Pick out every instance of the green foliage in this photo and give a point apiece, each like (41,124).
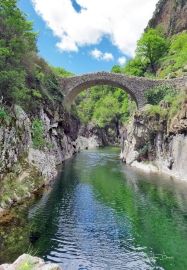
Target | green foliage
(38,134)
(36,94)
(61,72)
(17,41)
(4,116)
(136,67)
(156,55)
(175,103)
(25,78)
(107,110)
(103,105)
(156,110)
(176,59)
(116,69)
(3,113)
(158,93)
(27,265)
(151,47)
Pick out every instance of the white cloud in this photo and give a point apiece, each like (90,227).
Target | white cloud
(108,57)
(122,60)
(96,54)
(99,55)
(122,21)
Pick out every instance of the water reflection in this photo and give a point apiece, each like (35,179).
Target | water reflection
(101,214)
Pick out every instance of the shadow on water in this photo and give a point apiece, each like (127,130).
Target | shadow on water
(101,214)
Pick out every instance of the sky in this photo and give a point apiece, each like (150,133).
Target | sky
(88,35)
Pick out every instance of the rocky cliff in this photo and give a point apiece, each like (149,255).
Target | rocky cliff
(32,145)
(171,15)
(156,138)
(157,144)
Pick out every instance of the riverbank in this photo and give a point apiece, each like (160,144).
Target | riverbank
(155,143)
(32,147)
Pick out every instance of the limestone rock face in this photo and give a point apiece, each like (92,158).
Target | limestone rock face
(44,162)
(179,122)
(171,15)
(153,144)
(86,143)
(15,139)
(28,262)
(23,122)
(31,166)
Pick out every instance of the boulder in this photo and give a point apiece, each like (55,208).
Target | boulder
(26,261)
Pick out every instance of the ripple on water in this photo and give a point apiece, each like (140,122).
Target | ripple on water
(103,215)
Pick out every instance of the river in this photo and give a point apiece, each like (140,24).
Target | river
(101,214)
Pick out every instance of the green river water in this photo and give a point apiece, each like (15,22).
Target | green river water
(101,214)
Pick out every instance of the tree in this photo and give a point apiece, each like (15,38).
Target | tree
(116,69)
(136,67)
(106,111)
(151,47)
(104,105)
(17,43)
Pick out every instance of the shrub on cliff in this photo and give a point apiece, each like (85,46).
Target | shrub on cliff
(169,106)
(38,134)
(155,95)
(175,62)
(4,116)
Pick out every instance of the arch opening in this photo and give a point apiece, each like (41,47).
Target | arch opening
(77,89)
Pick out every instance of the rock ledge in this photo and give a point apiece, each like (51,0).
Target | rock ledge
(31,263)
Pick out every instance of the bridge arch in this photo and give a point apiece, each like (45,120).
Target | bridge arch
(134,86)
(88,84)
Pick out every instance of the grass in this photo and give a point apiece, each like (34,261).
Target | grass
(38,134)
(156,110)
(4,116)
(176,103)
(26,266)
(13,187)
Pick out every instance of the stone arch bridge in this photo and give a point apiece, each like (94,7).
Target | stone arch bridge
(134,86)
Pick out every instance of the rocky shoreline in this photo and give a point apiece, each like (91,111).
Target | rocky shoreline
(154,144)
(27,261)
(33,146)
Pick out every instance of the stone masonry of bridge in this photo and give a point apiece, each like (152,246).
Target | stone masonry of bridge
(134,86)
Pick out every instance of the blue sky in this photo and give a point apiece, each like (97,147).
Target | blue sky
(75,35)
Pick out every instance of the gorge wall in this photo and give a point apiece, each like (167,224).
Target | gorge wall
(33,145)
(156,138)
(171,16)
(157,144)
